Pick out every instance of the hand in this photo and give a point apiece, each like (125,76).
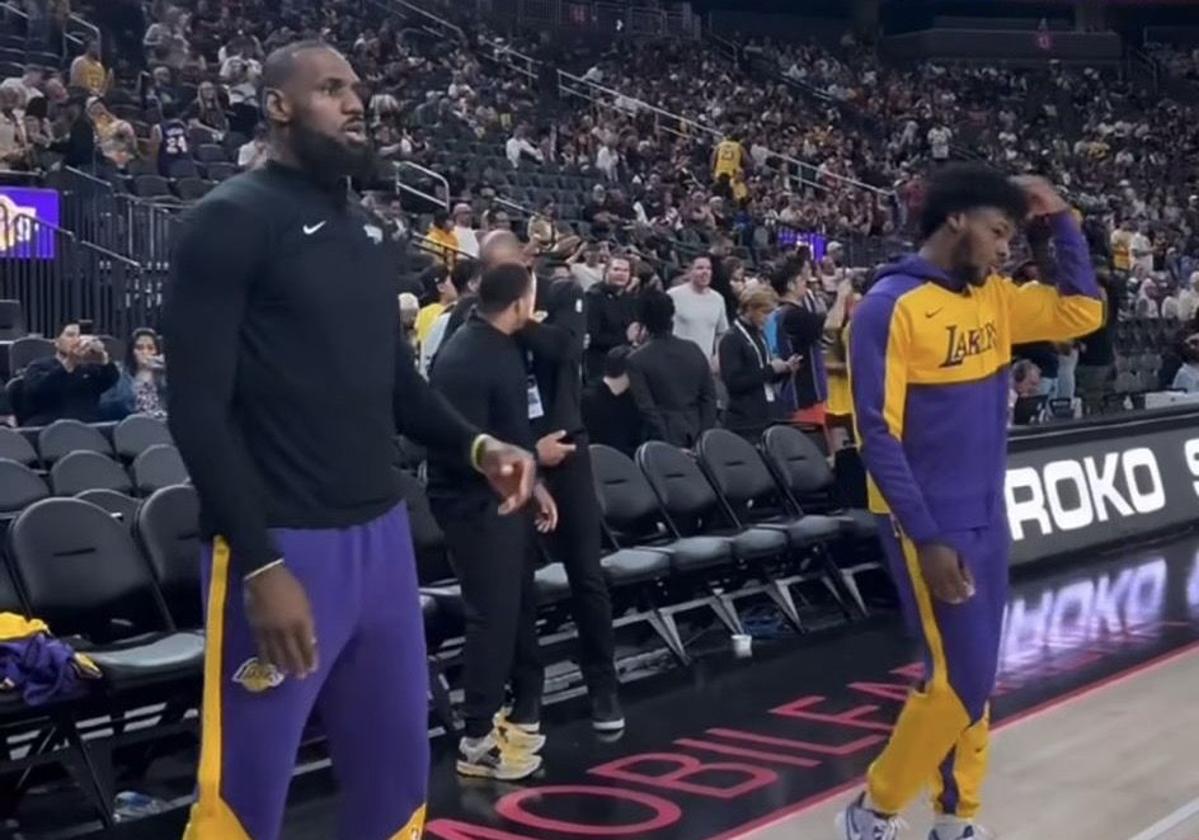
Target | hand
(633,333)
(794,362)
(551,451)
(1043,199)
(510,470)
(546,518)
(945,573)
(280,617)
(779,365)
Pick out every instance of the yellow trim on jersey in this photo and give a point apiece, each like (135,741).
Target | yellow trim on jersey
(211,817)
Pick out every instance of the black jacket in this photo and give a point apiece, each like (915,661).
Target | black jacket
(609,313)
(610,419)
(747,374)
(54,393)
(672,384)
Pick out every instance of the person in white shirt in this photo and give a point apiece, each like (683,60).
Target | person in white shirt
(607,159)
(699,312)
(253,154)
(938,139)
(1187,377)
(518,147)
(1142,247)
(1188,299)
(464,229)
(1146,303)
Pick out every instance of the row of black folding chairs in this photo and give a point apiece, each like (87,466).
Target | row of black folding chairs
(131,602)
(125,440)
(93,477)
(731,520)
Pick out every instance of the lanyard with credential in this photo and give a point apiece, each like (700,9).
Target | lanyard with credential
(761,359)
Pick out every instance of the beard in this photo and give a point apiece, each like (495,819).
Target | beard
(965,272)
(330,159)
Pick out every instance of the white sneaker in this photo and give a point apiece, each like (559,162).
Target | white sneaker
(857,822)
(962,831)
(521,737)
(490,758)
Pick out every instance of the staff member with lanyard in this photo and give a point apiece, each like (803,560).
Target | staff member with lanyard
(748,372)
(554,351)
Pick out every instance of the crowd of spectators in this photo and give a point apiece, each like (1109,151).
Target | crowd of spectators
(779,140)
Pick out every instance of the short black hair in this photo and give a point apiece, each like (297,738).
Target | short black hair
(502,286)
(465,270)
(961,187)
(281,63)
(616,363)
(656,312)
(784,273)
(440,217)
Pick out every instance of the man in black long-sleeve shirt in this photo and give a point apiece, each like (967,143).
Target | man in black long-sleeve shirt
(68,384)
(481,371)
(284,408)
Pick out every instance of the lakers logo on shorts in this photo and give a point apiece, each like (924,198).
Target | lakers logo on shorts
(257,677)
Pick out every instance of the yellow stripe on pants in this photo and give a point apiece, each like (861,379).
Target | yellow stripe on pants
(932,720)
(211,817)
(415,828)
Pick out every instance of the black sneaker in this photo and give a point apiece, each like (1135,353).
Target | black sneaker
(606,715)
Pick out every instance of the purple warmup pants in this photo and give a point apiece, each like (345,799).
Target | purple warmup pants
(370,689)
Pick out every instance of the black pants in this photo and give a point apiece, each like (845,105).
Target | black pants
(576,544)
(492,556)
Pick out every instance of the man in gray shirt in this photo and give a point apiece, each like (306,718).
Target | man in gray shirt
(699,312)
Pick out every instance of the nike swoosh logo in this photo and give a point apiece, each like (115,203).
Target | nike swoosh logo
(933,313)
(311,229)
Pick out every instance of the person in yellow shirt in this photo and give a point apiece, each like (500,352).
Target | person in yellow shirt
(447,295)
(728,158)
(1122,246)
(441,235)
(88,72)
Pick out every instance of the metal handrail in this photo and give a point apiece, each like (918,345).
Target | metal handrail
(622,97)
(437,249)
(526,65)
(433,22)
(424,170)
(91,246)
(84,24)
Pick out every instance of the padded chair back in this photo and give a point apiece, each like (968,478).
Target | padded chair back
(137,433)
(82,573)
(62,437)
(735,467)
(677,481)
(159,466)
(113,502)
(14,390)
(797,461)
(16,447)
(168,526)
(626,499)
(29,349)
(10,597)
(19,487)
(432,563)
(12,320)
(79,471)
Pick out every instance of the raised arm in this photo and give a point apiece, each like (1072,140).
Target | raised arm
(1070,308)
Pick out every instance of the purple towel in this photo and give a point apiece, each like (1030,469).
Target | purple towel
(41,667)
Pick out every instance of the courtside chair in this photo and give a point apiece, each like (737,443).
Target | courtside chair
(62,437)
(168,530)
(804,473)
(83,470)
(746,485)
(157,467)
(16,447)
(19,488)
(137,433)
(631,517)
(694,507)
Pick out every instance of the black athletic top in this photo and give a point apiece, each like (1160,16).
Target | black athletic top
(289,374)
(483,373)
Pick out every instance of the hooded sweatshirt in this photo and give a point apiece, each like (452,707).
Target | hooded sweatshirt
(929,361)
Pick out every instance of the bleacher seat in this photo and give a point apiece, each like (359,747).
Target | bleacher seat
(168,528)
(184,168)
(62,437)
(118,504)
(137,433)
(157,467)
(211,153)
(151,186)
(82,574)
(79,471)
(19,487)
(14,446)
(192,189)
(28,349)
(12,320)
(218,172)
